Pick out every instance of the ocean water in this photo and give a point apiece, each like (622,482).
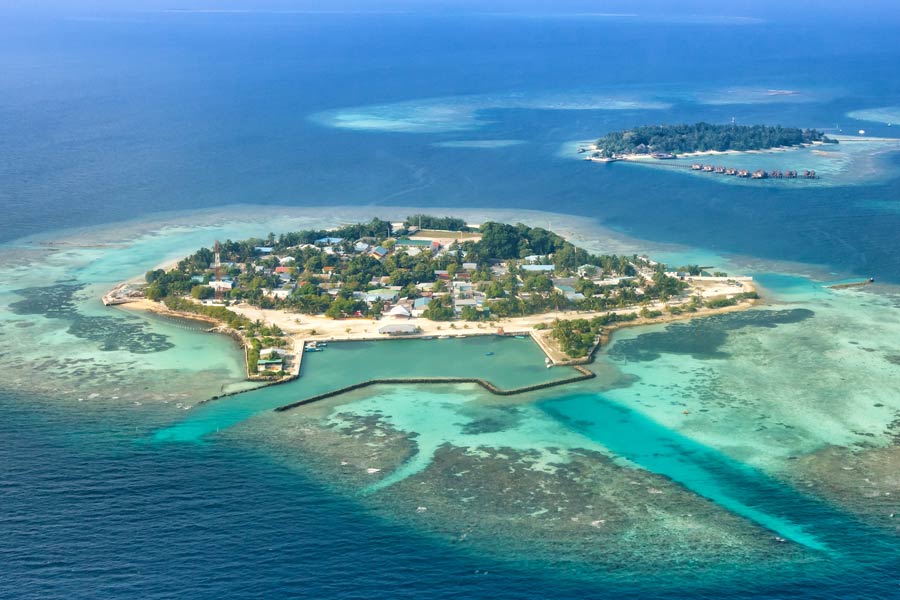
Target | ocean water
(130,136)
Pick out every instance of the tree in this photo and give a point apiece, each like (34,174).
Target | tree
(154,291)
(202,292)
(439,309)
(470,313)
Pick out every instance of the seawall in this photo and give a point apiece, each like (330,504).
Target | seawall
(583,374)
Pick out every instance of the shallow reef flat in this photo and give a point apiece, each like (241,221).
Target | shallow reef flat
(864,481)
(773,383)
(508,478)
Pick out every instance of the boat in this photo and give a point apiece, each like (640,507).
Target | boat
(313,349)
(521,337)
(460,336)
(428,337)
(443,337)
(488,353)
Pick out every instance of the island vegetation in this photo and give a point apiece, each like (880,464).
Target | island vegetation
(703,137)
(366,269)
(411,273)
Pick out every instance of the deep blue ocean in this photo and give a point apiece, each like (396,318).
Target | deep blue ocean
(110,113)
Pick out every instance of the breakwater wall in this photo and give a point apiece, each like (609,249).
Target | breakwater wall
(582,375)
(852,284)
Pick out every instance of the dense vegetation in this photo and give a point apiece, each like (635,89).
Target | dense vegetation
(518,292)
(431,222)
(734,300)
(576,337)
(699,137)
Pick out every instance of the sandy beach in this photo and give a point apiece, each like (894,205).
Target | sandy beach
(303,328)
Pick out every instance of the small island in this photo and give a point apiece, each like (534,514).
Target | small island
(669,141)
(431,277)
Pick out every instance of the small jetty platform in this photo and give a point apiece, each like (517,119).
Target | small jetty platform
(122,294)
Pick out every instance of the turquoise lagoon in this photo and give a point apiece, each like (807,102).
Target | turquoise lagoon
(717,408)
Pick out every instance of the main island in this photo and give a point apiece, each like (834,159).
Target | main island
(426,277)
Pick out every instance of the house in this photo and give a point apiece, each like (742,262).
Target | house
(399,311)
(461,303)
(264,249)
(278,294)
(463,290)
(329,240)
(224,285)
(378,252)
(419,306)
(398,329)
(269,364)
(470,266)
(538,268)
(282,269)
(588,271)
(382,295)
(361,247)
(269,351)
(287,260)
(569,292)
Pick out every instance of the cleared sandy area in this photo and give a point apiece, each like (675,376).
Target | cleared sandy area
(302,327)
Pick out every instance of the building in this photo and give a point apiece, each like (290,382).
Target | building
(224,285)
(588,271)
(400,311)
(269,364)
(419,306)
(382,295)
(329,240)
(278,294)
(538,268)
(398,329)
